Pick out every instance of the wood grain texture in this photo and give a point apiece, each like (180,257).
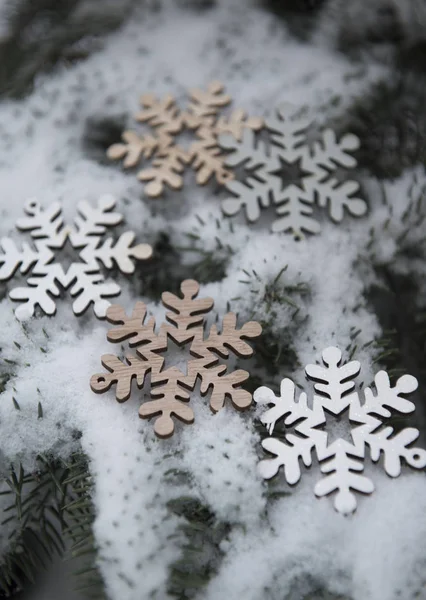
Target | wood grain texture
(170,387)
(201,120)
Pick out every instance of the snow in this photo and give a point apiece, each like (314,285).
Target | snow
(298,543)
(361,557)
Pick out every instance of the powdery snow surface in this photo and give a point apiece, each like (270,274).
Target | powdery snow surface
(277,550)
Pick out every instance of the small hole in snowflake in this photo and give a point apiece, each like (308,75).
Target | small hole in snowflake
(226,176)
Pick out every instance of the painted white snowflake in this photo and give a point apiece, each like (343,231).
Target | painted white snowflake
(335,392)
(50,235)
(271,181)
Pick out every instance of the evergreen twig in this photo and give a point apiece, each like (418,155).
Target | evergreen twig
(34,520)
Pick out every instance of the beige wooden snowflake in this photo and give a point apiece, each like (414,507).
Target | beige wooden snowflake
(169,158)
(169,386)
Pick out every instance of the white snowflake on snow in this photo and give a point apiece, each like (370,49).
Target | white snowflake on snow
(268,169)
(50,235)
(335,392)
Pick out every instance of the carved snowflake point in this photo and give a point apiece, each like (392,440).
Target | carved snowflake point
(83,276)
(341,461)
(170,387)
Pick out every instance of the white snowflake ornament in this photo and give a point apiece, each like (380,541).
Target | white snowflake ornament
(341,460)
(50,235)
(270,182)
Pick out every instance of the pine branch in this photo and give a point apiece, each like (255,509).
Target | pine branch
(46,506)
(274,349)
(201,553)
(35,520)
(79,512)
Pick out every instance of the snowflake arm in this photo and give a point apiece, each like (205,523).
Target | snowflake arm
(163,114)
(287,454)
(390,396)
(43,223)
(343,478)
(133,148)
(329,152)
(236,123)
(295,209)
(334,381)
(206,155)
(326,155)
(39,292)
(168,395)
(132,328)
(225,386)
(121,374)
(90,288)
(166,170)
(169,160)
(204,105)
(93,221)
(334,196)
(245,151)
(207,159)
(13,258)
(285,404)
(169,400)
(249,197)
(255,192)
(394,447)
(187,312)
(121,252)
(288,133)
(231,338)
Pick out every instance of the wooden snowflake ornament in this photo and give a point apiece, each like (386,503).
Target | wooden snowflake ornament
(169,158)
(291,174)
(86,238)
(169,386)
(341,460)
